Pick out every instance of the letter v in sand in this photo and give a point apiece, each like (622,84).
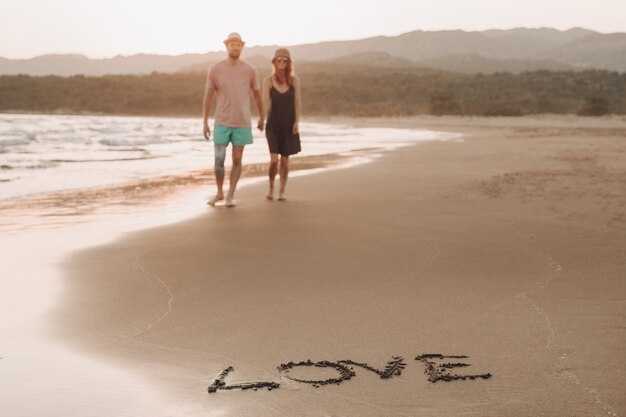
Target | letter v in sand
(393,368)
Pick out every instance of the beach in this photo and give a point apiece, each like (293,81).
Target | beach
(503,249)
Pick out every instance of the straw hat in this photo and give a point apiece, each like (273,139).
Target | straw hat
(233,37)
(281,52)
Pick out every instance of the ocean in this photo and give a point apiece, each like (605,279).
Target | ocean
(49,153)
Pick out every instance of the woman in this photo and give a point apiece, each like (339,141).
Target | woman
(281,92)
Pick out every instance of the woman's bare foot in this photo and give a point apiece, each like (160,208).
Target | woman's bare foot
(270,194)
(230,202)
(218,197)
(282,197)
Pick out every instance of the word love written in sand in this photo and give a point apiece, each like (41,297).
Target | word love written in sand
(437,368)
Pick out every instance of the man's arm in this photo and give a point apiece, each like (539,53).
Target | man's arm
(259,107)
(209,92)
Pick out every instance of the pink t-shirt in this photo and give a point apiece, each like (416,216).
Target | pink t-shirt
(232,84)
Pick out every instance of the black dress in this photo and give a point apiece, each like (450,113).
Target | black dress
(279,129)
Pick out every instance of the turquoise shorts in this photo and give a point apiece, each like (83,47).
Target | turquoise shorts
(239,136)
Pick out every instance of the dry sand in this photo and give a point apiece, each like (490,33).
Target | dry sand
(508,247)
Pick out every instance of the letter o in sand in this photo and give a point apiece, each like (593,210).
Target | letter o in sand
(345,373)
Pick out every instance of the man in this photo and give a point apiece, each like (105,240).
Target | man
(231,80)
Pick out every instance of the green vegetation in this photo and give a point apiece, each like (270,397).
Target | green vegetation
(334,89)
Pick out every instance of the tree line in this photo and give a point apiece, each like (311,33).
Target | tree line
(333,89)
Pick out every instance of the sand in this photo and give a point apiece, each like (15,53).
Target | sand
(508,247)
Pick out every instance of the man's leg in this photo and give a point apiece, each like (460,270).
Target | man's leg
(272,174)
(235,173)
(220,156)
(284,173)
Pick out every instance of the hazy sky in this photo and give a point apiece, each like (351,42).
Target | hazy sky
(107,28)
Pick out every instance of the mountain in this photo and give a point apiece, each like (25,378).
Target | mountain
(512,50)
(258,61)
(524,43)
(376,59)
(474,64)
(594,51)
(79,64)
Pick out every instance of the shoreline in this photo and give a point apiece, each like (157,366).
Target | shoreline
(141,193)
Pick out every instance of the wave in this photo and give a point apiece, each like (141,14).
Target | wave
(16,141)
(130,149)
(30,165)
(134,142)
(138,158)
(14,132)
(313,134)
(109,130)
(43,165)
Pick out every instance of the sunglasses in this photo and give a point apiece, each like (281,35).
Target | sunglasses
(282,60)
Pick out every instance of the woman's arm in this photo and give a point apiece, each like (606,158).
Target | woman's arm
(298,104)
(267,101)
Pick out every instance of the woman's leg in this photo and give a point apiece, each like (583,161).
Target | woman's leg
(272,174)
(284,174)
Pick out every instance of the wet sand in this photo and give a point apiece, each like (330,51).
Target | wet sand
(508,247)
(72,206)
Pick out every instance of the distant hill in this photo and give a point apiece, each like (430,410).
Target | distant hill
(376,59)
(513,50)
(258,61)
(594,51)
(523,43)
(473,64)
(66,65)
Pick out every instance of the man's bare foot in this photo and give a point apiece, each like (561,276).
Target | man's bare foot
(230,202)
(218,197)
(281,197)
(270,194)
